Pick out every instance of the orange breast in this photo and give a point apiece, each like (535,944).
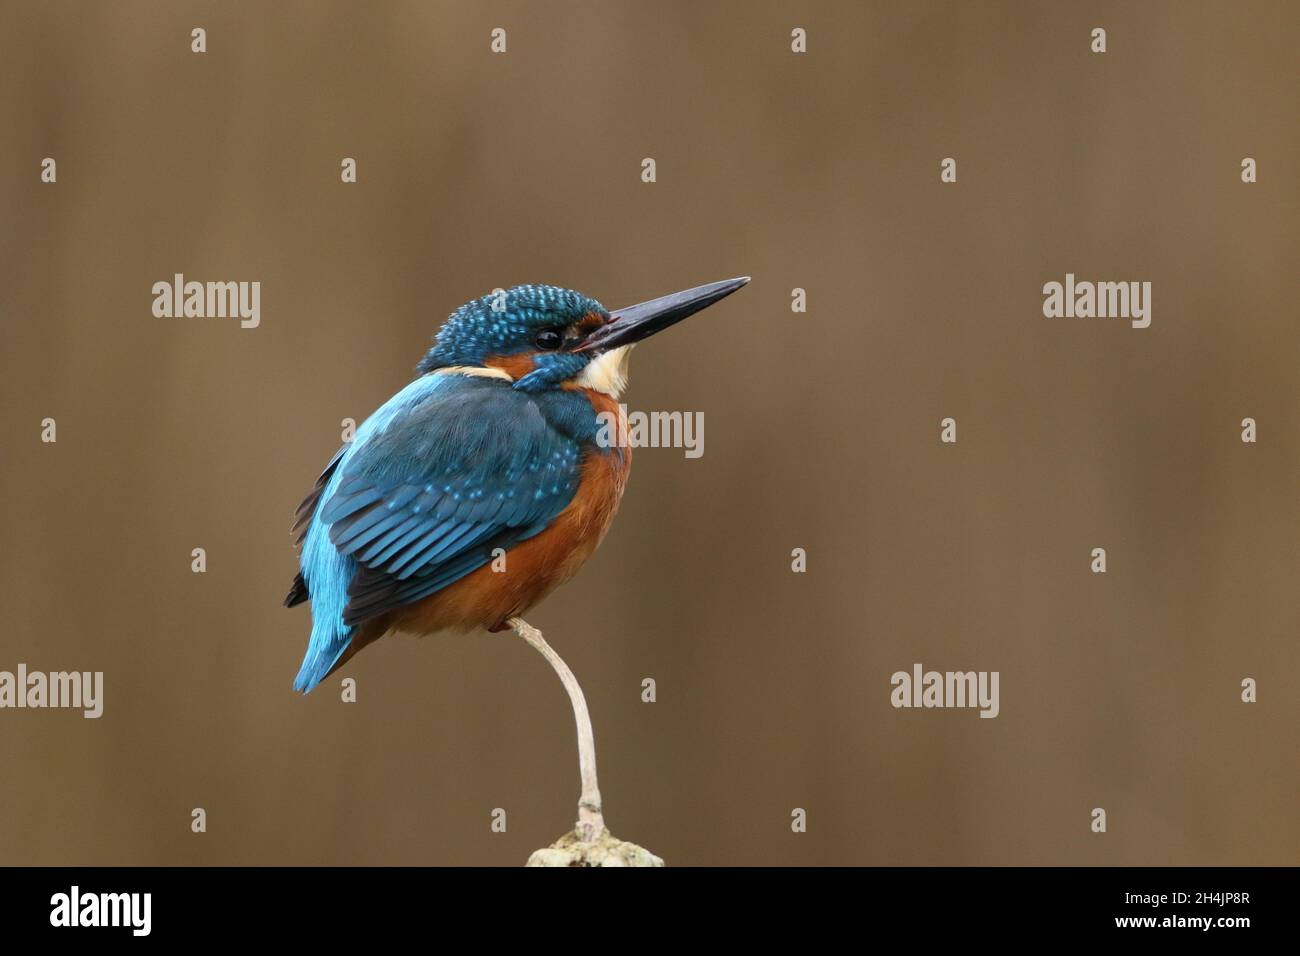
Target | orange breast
(533,568)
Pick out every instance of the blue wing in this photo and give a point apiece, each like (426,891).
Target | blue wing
(446,471)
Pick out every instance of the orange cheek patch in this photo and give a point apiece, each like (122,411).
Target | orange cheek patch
(516,366)
(590,322)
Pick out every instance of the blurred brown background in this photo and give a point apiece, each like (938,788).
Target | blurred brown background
(818,171)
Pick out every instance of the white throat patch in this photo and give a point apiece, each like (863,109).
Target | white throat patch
(608,373)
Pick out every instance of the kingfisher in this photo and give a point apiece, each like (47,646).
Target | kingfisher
(486,482)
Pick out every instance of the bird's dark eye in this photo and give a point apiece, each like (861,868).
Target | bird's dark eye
(548,340)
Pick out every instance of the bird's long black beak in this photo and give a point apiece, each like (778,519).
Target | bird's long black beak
(637,322)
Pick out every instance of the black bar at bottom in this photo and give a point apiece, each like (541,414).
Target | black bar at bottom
(212,905)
